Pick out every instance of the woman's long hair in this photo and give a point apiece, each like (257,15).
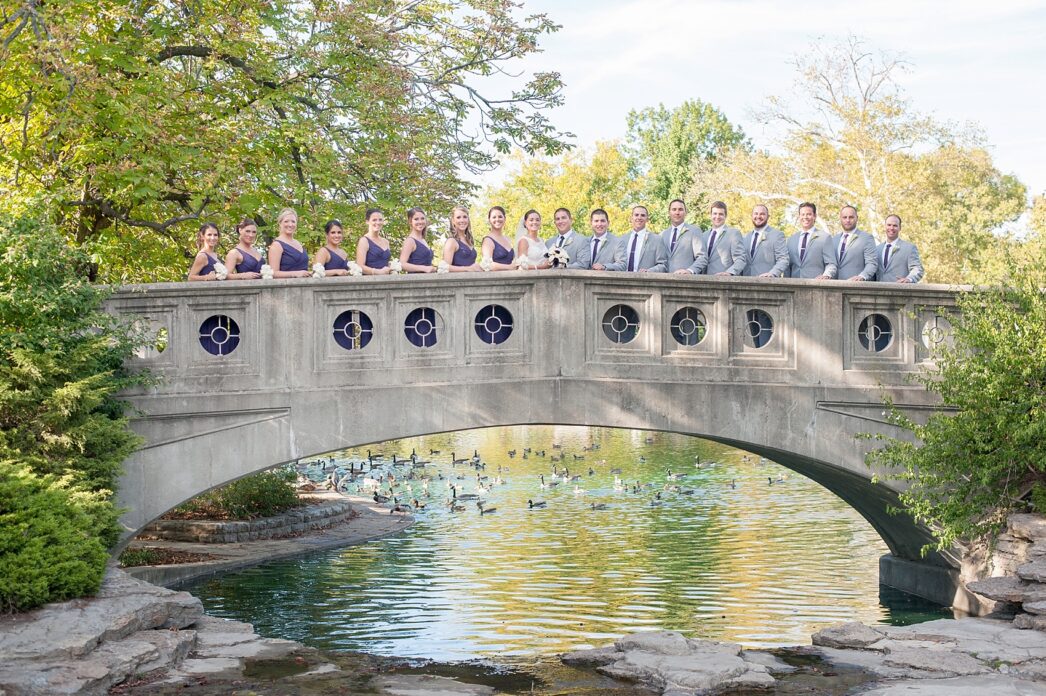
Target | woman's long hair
(468,230)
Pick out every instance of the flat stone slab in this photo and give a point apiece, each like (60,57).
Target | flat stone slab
(427,685)
(848,635)
(1035,571)
(987,685)
(1008,589)
(1027,526)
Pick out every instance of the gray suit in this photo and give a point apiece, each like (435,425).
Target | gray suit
(771,253)
(727,254)
(904,262)
(651,258)
(859,257)
(820,255)
(607,249)
(689,252)
(577,248)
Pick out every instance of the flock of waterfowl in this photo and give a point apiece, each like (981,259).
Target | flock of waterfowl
(410,484)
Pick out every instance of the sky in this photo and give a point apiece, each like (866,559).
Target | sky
(970,61)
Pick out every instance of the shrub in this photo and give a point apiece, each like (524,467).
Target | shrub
(51,538)
(259,495)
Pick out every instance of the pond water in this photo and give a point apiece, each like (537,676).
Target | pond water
(715,543)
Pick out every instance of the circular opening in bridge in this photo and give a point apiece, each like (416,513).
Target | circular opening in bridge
(759,328)
(688,326)
(219,335)
(353,329)
(935,331)
(422,327)
(494,324)
(875,333)
(621,323)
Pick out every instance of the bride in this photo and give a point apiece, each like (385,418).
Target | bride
(529,245)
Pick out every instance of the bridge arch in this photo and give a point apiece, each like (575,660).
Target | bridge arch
(289,385)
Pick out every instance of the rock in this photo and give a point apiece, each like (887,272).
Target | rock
(1027,526)
(1030,621)
(987,685)
(1034,571)
(427,685)
(942,661)
(773,663)
(1008,589)
(848,635)
(1034,607)
(660,642)
(596,657)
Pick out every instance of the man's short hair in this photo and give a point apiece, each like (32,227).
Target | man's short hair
(719,204)
(811,206)
(763,206)
(599,211)
(563,210)
(640,206)
(677,200)
(894,215)
(851,207)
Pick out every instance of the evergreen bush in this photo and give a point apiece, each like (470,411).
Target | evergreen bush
(259,495)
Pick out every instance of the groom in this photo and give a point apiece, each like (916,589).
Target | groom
(576,245)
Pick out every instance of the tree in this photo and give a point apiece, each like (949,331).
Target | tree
(136,120)
(63,436)
(850,137)
(967,470)
(579,181)
(667,145)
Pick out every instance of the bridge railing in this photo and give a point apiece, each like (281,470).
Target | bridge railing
(351,332)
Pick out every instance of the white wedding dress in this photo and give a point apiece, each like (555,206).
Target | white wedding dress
(535,251)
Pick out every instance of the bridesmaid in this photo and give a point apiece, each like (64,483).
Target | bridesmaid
(459,252)
(243,262)
(496,246)
(372,251)
(416,256)
(529,244)
(207,242)
(287,256)
(334,259)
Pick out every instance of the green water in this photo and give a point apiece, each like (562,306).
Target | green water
(729,555)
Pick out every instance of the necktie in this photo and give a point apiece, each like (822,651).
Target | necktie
(886,255)
(632,252)
(802,247)
(595,248)
(842,247)
(755,240)
(711,242)
(672,246)
(562,238)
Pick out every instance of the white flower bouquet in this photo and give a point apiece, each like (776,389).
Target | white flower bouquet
(220,271)
(486,264)
(396,266)
(354,269)
(318,271)
(523,263)
(557,257)
(266,272)
(443,267)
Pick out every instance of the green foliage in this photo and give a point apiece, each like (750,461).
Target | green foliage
(132,558)
(63,435)
(666,144)
(139,119)
(1038,498)
(51,538)
(968,469)
(260,495)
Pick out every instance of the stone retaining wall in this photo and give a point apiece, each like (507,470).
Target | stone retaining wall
(292,522)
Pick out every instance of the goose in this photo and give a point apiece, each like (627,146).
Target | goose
(615,470)
(577,456)
(512,453)
(455,508)
(418,505)
(578,491)
(649,440)
(686,491)
(432,452)
(591,471)
(599,506)
(454,461)
(380,498)
(674,477)
(400,507)
(733,483)
(672,488)
(655,503)
(642,460)
(527,450)
(483,510)
(618,485)
(538,504)
(556,446)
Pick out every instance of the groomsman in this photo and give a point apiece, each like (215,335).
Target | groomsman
(576,245)
(641,250)
(897,260)
(604,244)
(854,249)
(725,249)
(765,247)
(682,242)
(810,251)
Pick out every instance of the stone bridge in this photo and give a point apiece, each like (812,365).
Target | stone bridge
(255,374)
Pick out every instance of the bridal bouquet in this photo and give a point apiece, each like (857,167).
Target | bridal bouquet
(354,269)
(557,257)
(396,266)
(220,271)
(266,272)
(318,271)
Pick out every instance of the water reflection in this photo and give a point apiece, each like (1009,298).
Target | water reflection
(734,550)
